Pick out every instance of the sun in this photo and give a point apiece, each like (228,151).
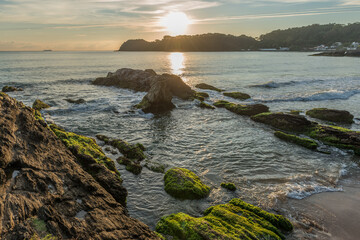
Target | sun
(175,23)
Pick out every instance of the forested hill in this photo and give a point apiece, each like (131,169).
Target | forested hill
(300,38)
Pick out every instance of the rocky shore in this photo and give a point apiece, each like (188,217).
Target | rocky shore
(339,54)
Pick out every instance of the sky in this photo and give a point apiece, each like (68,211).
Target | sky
(30,25)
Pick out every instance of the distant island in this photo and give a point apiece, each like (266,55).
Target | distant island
(307,38)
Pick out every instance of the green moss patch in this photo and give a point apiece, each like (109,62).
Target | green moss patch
(331,115)
(130,164)
(41,230)
(207,86)
(242,109)
(228,185)
(235,220)
(304,142)
(205,105)
(39,105)
(237,95)
(200,95)
(184,184)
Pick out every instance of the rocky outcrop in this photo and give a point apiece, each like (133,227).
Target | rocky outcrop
(45,190)
(205,105)
(237,95)
(75,101)
(142,81)
(304,142)
(208,87)
(332,115)
(184,184)
(11,89)
(234,220)
(242,109)
(39,105)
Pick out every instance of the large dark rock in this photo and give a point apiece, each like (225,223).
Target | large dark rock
(139,80)
(208,87)
(11,89)
(287,122)
(333,115)
(242,109)
(47,192)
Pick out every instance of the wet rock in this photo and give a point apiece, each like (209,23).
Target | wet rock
(39,105)
(332,115)
(205,105)
(286,122)
(305,142)
(184,184)
(228,185)
(42,199)
(75,101)
(200,95)
(237,95)
(242,109)
(11,89)
(155,167)
(234,220)
(131,165)
(207,86)
(158,99)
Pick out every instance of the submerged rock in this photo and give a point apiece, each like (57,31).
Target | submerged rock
(51,188)
(242,109)
(339,116)
(205,105)
(207,86)
(131,165)
(234,220)
(305,142)
(237,95)
(200,95)
(283,121)
(78,101)
(11,89)
(39,105)
(184,184)
(228,185)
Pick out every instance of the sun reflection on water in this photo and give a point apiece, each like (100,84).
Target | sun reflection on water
(177,62)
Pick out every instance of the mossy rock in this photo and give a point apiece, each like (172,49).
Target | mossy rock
(237,95)
(228,185)
(234,220)
(81,145)
(295,112)
(332,115)
(208,87)
(184,184)
(283,121)
(11,89)
(205,105)
(304,142)
(155,167)
(41,230)
(130,165)
(200,95)
(242,109)
(39,105)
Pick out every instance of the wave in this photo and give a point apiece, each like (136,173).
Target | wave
(319,96)
(272,84)
(306,189)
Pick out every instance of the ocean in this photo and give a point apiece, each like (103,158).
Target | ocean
(215,144)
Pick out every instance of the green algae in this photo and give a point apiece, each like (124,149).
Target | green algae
(237,95)
(234,220)
(39,105)
(184,184)
(81,145)
(208,87)
(304,142)
(38,115)
(228,185)
(331,115)
(131,165)
(242,109)
(200,95)
(155,167)
(205,105)
(295,112)
(42,232)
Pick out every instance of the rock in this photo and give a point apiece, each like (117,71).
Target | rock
(200,95)
(207,86)
(332,115)
(184,184)
(295,112)
(305,142)
(155,167)
(205,105)
(234,220)
(158,99)
(11,89)
(139,80)
(242,109)
(237,95)
(130,165)
(39,105)
(48,192)
(78,101)
(228,185)
(286,122)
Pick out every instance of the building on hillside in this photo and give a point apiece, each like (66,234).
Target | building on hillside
(353,46)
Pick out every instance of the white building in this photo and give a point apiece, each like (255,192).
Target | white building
(353,46)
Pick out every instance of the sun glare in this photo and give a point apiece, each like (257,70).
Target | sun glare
(175,23)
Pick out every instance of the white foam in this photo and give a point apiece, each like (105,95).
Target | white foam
(15,173)
(81,214)
(303,190)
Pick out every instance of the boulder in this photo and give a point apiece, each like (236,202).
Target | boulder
(39,105)
(242,109)
(234,220)
(11,89)
(207,86)
(332,115)
(283,121)
(184,184)
(228,185)
(237,95)
(76,101)
(49,192)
